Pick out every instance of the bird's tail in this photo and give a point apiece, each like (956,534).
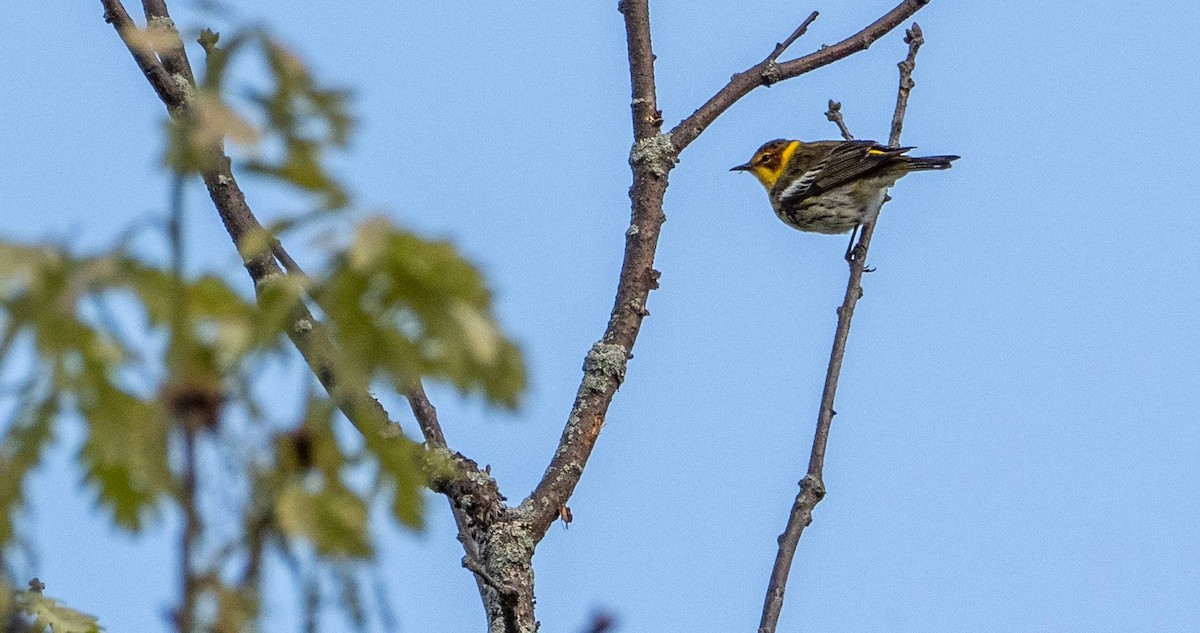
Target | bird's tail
(918,163)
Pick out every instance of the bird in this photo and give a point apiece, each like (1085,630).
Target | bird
(829,186)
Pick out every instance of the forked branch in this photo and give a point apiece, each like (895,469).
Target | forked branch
(768,71)
(163,60)
(812,486)
(652,158)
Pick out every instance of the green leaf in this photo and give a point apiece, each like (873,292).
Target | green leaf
(236,610)
(400,472)
(333,518)
(47,612)
(21,452)
(404,307)
(125,454)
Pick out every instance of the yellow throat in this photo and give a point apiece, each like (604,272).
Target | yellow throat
(767,175)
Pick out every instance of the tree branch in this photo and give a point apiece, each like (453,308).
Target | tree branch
(800,30)
(169,46)
(768,72)
(812,487)
(168,91)
(651,159)
(834,114)
(306,333)
(647,120)
(914,38)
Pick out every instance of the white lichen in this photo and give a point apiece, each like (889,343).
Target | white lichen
(655,153)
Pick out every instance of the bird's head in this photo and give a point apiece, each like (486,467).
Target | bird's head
(769,161)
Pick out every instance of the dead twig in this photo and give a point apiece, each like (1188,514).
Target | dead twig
(834,114)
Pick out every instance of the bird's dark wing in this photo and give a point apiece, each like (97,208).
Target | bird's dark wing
(844,163)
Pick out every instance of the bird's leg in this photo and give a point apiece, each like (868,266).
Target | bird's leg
(854,251)
(850,247)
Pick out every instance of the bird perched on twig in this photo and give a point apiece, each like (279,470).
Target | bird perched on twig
(829,186)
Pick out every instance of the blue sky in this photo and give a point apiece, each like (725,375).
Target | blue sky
(1017,440)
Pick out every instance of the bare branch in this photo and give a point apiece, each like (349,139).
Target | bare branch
(914,38)
(800,30)
(173,56)
(834,113)
(652,158)
(812,487)
(647,119)
(768,72)
(168,91)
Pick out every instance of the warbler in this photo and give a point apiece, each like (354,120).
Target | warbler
(829,186)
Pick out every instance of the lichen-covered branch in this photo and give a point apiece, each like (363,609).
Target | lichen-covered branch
(651,159)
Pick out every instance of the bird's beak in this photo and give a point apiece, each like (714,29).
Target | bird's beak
(743,167)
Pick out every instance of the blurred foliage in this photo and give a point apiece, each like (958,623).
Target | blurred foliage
(153,363)
(404,307)
(301,120)
(36,612)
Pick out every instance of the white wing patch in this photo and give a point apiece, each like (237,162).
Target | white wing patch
(801,184)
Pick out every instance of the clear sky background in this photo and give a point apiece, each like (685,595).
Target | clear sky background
(1018,439)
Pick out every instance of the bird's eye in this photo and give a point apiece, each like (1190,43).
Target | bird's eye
(766,158)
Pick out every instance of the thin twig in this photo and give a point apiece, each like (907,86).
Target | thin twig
(477,568)
(914,38)
(168,91)
(173,55)
(189,425)
(744,82)
(507,594)
(834,113)
(800,30)
(812,487)
(185,617)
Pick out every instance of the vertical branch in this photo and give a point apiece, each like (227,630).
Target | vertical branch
(812,486)
(651,160)
(914,38)
(182,388)
(185,617)
(647,120)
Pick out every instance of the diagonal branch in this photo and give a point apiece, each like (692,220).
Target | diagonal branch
(768,72)
(472,493)
(834,114)
(812,487)
(169,46)
(168,91)
(785,44)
